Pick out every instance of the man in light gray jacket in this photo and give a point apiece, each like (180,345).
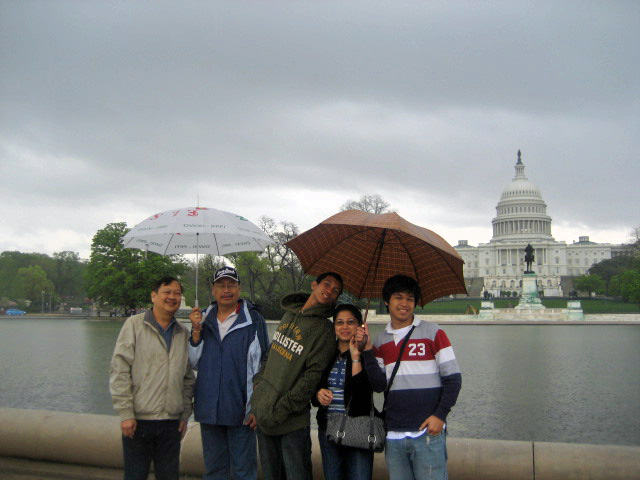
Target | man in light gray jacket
(151,385)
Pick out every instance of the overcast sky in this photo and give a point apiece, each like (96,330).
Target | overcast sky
(113,110)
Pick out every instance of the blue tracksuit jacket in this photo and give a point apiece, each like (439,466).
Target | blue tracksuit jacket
(226,368)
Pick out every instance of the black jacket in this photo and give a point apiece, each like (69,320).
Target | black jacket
(357,389)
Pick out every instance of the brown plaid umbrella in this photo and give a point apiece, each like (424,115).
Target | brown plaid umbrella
(367,249)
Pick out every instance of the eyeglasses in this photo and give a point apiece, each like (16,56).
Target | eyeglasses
(177,293)
(351,322)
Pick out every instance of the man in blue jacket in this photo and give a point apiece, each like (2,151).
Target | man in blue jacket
(227,349)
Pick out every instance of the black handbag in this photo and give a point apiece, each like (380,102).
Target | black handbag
(366,432)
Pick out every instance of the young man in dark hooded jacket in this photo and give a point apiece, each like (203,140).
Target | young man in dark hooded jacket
(301,348)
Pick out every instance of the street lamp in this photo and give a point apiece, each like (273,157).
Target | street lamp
(42,303)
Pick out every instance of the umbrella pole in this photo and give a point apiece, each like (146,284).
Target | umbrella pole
(378,250)
(366,312)
(197,266)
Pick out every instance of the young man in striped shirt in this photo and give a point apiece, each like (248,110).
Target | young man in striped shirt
(424,389)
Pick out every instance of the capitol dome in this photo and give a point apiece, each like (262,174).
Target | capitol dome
(520,187)
(521,211)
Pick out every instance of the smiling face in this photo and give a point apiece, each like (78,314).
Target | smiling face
(401,306)
(326,292)
(226,292)
(167,299)
(345,325)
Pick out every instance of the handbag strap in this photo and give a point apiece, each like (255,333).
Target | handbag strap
(397,365)
(371,410)
(372,430)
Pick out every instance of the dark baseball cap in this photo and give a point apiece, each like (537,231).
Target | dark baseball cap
(226,272)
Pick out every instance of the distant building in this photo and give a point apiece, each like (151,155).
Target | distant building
(521,218)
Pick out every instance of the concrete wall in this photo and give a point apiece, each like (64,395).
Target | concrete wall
(95,441)
(507,316)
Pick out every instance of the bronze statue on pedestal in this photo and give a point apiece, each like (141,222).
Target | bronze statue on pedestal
(529,257)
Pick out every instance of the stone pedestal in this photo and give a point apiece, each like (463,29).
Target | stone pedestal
(574,310)
(529,299)
(183,305)
(486,310)
(184,309)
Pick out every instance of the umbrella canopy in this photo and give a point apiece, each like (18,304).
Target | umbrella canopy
(367,249)
(196,230)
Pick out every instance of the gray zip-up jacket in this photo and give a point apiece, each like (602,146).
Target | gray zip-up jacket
(147,382)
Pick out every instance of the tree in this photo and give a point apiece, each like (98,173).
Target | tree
(368,203)
(289,263)
(64,269)
(635,241)
(123,277)
(11,262)
(607,269)
(590,283)
(629,284)
(68,276)
(34,283)
(253,270)
(274,272)
(207,266)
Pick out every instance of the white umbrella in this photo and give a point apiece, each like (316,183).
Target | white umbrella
(196,230)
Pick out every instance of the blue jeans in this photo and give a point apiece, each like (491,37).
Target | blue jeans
(228,449)
(157,441)
(421,458)
(286,457)
(344,463)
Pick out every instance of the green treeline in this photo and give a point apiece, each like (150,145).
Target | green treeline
(121,278)
(118,278)
(115,277)
(34,281)
(616,277)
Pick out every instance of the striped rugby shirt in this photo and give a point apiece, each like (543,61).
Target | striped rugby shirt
(428,380)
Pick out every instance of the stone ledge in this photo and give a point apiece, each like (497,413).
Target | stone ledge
(37,444)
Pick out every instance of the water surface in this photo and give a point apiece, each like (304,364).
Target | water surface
(560,383)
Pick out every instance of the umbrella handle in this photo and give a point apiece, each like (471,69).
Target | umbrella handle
(366,312)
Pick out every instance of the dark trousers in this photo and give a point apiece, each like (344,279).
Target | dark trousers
(286,457)
(157,441)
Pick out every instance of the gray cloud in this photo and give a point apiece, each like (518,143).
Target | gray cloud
(113,110)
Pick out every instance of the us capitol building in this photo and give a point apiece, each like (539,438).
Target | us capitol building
(521,218)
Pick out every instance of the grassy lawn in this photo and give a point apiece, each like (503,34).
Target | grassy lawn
(589,305)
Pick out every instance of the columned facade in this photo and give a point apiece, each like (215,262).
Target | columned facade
(521,218)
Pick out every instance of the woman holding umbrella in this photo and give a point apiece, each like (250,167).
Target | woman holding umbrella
(344,383)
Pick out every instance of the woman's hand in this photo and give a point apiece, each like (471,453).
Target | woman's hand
(363,338)
(324,397)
